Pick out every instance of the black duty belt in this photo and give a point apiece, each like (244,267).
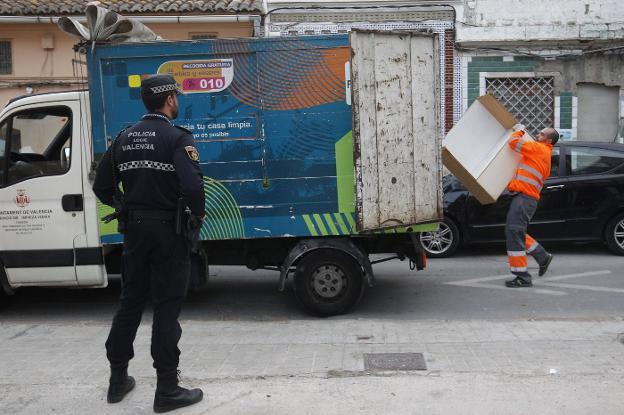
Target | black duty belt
(151,215)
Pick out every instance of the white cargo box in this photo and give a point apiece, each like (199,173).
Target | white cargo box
(476,150)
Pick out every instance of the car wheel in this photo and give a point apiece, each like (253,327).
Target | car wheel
(614,234)
(328,282)
(443,242)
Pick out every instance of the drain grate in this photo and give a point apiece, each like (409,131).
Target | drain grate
(394,361)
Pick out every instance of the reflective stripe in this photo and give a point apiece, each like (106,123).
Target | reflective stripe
(518,269)
(516,253)
(530,181)
(145,164)
(532,171)
(518,261)
(522,140)
(533,247)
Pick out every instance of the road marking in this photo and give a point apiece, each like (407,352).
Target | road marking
(586,287)
(581,274)
(547,281)
(476,283)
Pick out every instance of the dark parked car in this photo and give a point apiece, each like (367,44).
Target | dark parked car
(583,200)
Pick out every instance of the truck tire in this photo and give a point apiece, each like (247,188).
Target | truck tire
(614,234)
(328,282)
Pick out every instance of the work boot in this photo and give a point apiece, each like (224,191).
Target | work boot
(170,396)
(519,282)
(119,384)
(544,267)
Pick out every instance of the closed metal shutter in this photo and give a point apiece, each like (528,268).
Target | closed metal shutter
(598,112)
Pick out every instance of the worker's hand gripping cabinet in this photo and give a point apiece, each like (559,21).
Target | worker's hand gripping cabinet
(476,149)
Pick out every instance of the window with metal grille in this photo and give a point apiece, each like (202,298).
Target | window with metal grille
(200,36)
(6,60)
(530,100)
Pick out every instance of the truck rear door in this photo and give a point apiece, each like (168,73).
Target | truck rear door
(395,84)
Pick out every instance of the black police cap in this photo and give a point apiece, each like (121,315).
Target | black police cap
(159,84)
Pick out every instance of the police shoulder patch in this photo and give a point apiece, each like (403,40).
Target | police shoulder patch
(192,153)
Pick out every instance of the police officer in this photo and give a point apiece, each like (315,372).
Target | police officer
(157,163)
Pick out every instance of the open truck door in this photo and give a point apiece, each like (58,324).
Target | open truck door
(395,82)
(43,223)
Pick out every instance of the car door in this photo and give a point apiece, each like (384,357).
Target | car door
(485,223)
(548,222)
(592,189)
(42,219)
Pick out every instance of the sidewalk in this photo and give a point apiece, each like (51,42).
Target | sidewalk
(317,366)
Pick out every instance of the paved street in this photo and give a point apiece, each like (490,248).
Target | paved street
(555,348)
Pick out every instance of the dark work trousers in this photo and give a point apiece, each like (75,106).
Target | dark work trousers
(519,243)
(156,266)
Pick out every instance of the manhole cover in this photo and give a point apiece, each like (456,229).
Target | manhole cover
(394,361)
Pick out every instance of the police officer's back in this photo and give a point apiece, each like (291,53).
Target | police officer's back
(157,164)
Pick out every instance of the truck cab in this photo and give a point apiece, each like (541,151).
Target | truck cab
(48,226)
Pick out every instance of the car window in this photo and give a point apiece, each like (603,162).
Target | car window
(554,162)
(585,160)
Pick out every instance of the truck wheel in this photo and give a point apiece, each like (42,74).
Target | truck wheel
(614,234)
(328,282)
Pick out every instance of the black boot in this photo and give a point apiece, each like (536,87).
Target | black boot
(520,281)
(170,396)
(544,267)
(119,384)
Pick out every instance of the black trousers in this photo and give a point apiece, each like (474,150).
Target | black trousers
(519,242)
(156,266)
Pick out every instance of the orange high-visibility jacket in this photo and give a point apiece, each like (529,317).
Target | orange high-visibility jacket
(534,166)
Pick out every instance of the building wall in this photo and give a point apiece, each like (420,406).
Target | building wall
(535,20)
(520,38)
(53,70)
(567,73)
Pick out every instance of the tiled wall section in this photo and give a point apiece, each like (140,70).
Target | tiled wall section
(566,115)
(478,64)
(474,66)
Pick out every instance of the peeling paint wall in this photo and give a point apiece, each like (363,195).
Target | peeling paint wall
(531,20)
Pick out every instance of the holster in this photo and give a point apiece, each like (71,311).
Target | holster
(120,214)
(187,225)
(193,227)
(121,221)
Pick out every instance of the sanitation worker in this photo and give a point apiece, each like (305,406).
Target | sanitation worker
(525,188)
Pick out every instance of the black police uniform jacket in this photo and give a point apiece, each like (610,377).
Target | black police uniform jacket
(157,163)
